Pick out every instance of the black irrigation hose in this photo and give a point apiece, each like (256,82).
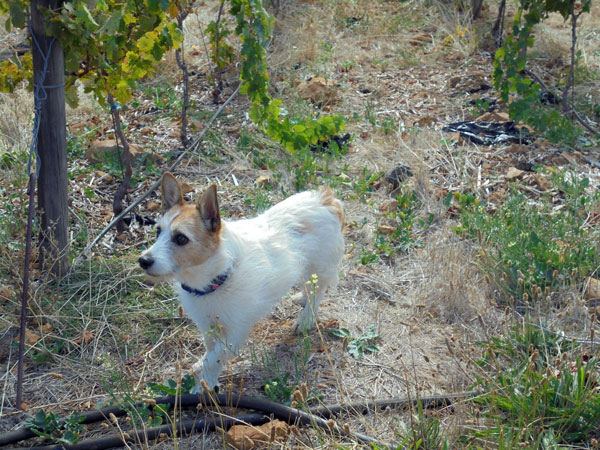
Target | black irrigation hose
(316,416)
(203,424)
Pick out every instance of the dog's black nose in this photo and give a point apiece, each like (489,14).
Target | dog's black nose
(145,262)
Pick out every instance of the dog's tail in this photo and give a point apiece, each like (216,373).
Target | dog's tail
(333,204)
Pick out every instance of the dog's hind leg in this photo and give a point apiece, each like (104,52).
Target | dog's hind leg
(313,292)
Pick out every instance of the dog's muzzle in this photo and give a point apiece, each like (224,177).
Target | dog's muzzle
(146,262)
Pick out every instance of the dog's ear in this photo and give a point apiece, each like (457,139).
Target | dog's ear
(208,205)
(171,192)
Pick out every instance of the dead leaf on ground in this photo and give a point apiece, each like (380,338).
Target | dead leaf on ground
(389,206)
(196,125)
(85,337)
(493,116)
(497,197)
(542,182)
(263,180)
(103,150)
(31,337)
(592,291)
(386,229)
(332,323)
(559,160)
(456,136)
(244,437)
(103,177)
(6,293)
(425,121)
(513,173)
(439,194)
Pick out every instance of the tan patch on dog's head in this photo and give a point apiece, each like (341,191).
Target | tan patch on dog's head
(201,243)
(334,204)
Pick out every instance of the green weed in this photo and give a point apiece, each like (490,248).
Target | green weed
(261,152)
(312,166)
(400,230)
(165,97)
(357,346)
(531,249)
(543,395)
(122,394)
(171,387)
(422,431)
(258,199)
(57,429)
(280,384)
(364,185)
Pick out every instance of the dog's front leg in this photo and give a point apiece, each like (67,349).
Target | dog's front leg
(209,367)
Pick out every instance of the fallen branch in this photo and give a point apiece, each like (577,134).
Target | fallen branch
(84,254)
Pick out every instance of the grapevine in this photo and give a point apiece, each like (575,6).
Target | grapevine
(110,45)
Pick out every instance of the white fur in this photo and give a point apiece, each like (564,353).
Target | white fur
(267,255)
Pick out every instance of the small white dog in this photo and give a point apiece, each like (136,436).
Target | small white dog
(231,274)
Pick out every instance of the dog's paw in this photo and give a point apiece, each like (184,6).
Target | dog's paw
(304,324)
(203,385)
(206,376)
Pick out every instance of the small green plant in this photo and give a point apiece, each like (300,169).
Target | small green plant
(279,384)
(401,228)
(170,387)
(311,166)
(364,185)
(545,391)
(481,106)
(57,429)
(165,97)
(422,431)
(258,199)
(370,114)
(368,256)
(222,54)
(260,151)
(389,126)
(531,249)
(117,385)
(357,346)
(45,349)
(279,389)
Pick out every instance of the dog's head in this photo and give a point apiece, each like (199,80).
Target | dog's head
(187,234)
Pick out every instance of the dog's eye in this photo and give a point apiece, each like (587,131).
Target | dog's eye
(180,239)
(158,231)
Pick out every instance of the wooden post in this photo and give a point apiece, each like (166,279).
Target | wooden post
(52,145)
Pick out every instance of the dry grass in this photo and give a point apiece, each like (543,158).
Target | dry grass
(429,304)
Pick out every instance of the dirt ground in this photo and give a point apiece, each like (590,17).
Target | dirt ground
(401,71)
